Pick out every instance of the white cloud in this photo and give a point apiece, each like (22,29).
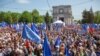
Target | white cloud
(23,1)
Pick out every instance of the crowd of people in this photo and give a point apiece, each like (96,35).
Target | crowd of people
(71,43)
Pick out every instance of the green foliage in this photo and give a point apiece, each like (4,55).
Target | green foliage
(2,16)
(15,17)
(79,21)
(35,16)
(85,14)
(26,17)
(8,17)
(97,17)
(48,19)
(88,16)
(40,19)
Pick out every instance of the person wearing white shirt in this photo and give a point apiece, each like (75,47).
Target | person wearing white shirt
(93,51)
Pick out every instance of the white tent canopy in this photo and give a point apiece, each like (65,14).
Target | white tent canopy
(57,25)
(59,22)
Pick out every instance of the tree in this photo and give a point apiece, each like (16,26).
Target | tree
(8,17)
(41,19)
(2,16)
(88,16)
(91,15)
(26,17)
(15,17)
(47,18)
(79,21)
(35,16)
(85,16)
(97,17)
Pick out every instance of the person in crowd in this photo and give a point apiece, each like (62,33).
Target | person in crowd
(12,44)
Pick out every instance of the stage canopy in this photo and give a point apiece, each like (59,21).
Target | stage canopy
(59,22)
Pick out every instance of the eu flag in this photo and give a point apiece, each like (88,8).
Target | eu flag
(84,27)
(24,34)
(43,26)
(67,52)
(57,42)
(46,47)
(31,35)
(34,28)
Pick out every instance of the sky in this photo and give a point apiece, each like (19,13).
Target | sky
(46,5)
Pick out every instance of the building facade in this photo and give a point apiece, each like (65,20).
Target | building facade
(63,13)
